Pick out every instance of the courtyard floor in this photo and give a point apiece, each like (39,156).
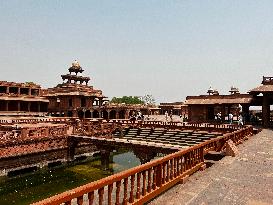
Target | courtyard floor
(244,179)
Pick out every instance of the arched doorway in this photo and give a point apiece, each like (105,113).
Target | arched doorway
(122,114)
(112,114)
(88,114)
(132,112)
(96,114)
(80,114)
(69,114)
(105,114)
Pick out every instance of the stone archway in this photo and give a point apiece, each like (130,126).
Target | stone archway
(132,112)
(80,114)
(112,114)
(88,114)
(105,114)
(96,114)
(69,114)
(121,114)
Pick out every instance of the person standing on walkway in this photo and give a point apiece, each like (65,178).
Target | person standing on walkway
(240,120)
(230,118)
(166,116)
(219,117)
(171,115)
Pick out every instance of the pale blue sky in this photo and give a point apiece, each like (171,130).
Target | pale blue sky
(166,48)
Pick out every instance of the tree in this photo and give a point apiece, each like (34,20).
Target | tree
(127,100)
(148,99)
(30,83)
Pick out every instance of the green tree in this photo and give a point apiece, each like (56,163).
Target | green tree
(148,99)
(127,100)
(29,83)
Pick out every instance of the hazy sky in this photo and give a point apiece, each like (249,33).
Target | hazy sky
(166,48)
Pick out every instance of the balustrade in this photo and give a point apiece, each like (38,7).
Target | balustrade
(142,183)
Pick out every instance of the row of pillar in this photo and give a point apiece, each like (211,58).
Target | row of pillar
(19,90)
(18,106)
(101,114)
(245,110)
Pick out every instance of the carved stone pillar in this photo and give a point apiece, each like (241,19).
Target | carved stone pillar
(18,106)
(7,106)
(266,111)
(245,110)
(28,106)
(127,113)
(71,146)
(39,107)
(105,159)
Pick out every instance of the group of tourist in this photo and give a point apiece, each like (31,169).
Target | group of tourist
(240,119)
(136,116)
(167,116)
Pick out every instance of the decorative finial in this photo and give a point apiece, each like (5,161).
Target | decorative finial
(210,90)
(76,64)
(234,90)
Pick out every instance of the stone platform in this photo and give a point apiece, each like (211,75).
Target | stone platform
(245,179)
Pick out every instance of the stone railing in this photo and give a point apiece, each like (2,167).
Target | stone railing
(178,125)
(9,134)
(142,183)
(37,120)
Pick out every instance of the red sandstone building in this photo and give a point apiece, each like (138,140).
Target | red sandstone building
(176,108)
(74,97)
(205,107)
(21,98)
(71,98)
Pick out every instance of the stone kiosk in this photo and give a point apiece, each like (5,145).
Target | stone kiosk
(263,96)
(72,98)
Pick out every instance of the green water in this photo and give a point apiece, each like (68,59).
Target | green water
(28,188)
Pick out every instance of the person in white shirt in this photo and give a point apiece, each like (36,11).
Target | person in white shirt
(230,118)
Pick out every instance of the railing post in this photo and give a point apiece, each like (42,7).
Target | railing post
(202,154)
(159,175)
(110,189)
(131,199)
(125,199)
(101,192)
(118,183)
(138,186)
(149,181)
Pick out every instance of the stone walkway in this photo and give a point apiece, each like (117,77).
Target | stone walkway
(244,179)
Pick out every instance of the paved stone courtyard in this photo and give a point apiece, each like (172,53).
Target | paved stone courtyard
(244,179)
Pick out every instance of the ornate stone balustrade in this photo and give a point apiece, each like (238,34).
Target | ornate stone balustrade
(14,133)
(142,183)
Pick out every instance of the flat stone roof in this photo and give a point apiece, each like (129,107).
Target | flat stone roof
(262,89)
(219,99)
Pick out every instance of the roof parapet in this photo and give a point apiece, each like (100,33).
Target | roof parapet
(267,80)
